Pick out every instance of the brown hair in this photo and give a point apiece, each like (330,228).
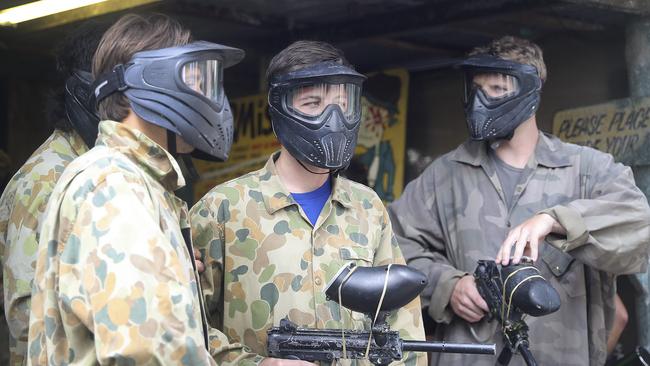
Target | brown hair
(130,34)
(515,49)
(300,54)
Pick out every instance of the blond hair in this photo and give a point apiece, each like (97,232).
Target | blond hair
(515,49)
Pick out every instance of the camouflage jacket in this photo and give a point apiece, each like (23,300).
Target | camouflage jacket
(262,250)
(22,208)
(455,214)
(114,281)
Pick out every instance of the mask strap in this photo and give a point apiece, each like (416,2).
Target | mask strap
(313,172)
(189,166)
(109,83)
(171,143)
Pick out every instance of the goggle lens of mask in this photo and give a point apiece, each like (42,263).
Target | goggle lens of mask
(495,86)
(203,77)
(311,100)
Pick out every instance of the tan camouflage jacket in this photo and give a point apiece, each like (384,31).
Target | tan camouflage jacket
(271,263)
(22,208)
(455,214)
(114,281)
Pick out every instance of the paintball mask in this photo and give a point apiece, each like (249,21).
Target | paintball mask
(180,89)
(499,95)
(79,108)
(316,112)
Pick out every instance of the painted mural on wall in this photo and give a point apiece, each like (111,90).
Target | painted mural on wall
(620,127)
(380,149)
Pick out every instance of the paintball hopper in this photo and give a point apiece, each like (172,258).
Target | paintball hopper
(362,290)
(525,288)
(529,291)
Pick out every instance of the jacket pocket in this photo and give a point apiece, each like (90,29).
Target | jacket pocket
(568,274)
(361,255)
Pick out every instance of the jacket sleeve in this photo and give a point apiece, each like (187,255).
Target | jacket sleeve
(408,319)
(421,237)
(608,229)
(207,218)
(4,227)
(123,278)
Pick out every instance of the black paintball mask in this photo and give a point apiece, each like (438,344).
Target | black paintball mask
(79,106)
(316,113)
(499,96)
(180,89)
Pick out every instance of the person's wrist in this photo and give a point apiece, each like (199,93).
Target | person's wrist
(556,228)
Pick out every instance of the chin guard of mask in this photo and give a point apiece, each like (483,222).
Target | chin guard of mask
(499,95)
(316,113)
(180,89)
(79,106)
(362,290)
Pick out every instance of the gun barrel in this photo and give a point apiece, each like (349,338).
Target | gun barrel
(425,346)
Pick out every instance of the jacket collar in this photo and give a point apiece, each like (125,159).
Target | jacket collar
(549,152)
(77,144)
(277,197)
(143,151)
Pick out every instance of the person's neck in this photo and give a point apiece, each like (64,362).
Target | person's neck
(517,151)
(296,178)
(156,133)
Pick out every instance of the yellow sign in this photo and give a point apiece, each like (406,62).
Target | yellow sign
(620,127)
(379,157)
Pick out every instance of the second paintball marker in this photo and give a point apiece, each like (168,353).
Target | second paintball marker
(511,293)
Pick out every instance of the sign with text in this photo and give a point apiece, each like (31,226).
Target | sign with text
(380,148)
(620,127)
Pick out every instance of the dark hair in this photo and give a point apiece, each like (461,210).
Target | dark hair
(304,53)
(130,34)
(74,52)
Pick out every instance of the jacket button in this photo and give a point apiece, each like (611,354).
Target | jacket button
(317,281)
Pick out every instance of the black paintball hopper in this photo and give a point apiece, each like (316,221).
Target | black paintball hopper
(362,290)
(533,295)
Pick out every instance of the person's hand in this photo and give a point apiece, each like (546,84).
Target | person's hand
(466,301)
(281,362)
(197,260)
(526,238)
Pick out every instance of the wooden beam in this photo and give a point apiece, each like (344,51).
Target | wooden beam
(639,7)
(406,45)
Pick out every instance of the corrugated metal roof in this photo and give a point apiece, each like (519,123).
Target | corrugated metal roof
(373,33)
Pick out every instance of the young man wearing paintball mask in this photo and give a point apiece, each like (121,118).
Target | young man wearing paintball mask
(572,209)
(275,237)
(115,280)
(22,205)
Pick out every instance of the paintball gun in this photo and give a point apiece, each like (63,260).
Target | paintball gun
(512,293)
(374,291)
(640,357)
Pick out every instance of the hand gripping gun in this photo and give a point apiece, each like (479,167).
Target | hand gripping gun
(374,291)
(512,293)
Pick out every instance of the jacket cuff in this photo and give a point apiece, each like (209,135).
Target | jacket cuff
(255,360)
(438,305)
(573,223)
